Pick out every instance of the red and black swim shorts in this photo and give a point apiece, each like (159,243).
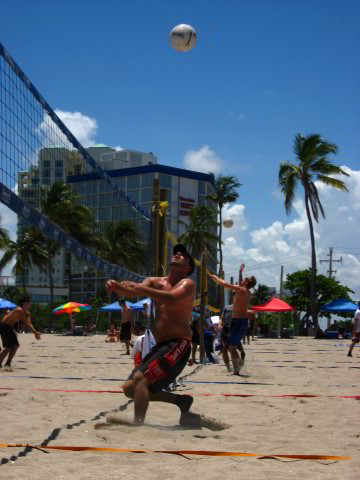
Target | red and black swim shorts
(164,363)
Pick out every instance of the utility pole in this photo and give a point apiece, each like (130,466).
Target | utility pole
(230,292)
(331,261)
(280,295)
(203,302)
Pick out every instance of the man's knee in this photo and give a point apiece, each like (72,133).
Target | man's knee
(128,389)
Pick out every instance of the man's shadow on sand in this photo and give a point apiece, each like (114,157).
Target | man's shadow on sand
(188,421)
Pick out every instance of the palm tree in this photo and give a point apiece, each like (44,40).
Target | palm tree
(61,205)
(312,154)
(200,231)
(27,252)
(122,245)
(261,295)
(225,192)
(4,237)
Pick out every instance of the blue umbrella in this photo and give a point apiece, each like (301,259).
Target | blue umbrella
(6,303)
(339,306)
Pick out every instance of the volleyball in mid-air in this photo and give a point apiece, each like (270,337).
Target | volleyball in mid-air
(183,38)
(228,222)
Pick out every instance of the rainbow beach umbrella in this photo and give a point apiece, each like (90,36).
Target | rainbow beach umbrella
(71,307)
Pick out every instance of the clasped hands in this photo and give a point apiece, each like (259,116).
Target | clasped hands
(125,286)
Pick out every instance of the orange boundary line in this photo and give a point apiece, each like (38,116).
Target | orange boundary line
(212,453)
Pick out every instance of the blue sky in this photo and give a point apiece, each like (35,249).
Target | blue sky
(261,72)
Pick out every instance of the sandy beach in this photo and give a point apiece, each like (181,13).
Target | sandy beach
(65,391)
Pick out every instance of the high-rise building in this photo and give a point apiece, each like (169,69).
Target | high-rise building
(134,173)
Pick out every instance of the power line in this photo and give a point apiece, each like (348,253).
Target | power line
(273,264)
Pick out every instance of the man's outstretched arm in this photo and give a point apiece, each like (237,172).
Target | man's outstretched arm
(185,289)
(225,284)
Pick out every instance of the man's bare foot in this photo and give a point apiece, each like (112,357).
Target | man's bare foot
(349,354)
(189,419)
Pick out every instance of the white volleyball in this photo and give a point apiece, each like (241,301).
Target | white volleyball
(183,37)
(228,222)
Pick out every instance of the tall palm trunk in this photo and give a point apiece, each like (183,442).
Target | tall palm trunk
(220,246)
(51,283)
(68,260)
(313,263)
(218,292)
(23,279)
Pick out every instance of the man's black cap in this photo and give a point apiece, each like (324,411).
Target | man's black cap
(181,248)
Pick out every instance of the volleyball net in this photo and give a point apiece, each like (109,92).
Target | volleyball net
(38,150)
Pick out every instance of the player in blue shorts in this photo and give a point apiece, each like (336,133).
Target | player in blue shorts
(239,322)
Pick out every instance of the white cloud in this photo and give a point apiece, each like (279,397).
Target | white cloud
(265,249)
(81,126)
(204,160)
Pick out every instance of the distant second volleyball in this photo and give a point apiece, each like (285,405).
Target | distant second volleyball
(183,38)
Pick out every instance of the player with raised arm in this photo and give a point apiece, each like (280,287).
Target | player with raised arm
(239,322)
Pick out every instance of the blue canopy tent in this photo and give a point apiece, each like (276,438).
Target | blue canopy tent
(339,306)
(342,305)
(112,307)
(139,305)
(7,304)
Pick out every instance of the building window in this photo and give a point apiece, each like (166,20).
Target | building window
(121,182)
(135,195)
(146,195)
(133,182)
(165,181)
(147,180)
(201,188)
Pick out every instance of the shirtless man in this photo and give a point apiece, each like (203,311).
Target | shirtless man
(125,331)
(239,322)
(174,296)
(8,335)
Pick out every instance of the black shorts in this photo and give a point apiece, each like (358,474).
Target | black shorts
(164,363)
(125,332)
(195,336)
(8,336)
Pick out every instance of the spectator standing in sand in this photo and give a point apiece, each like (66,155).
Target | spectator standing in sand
(8,334)
(195,339)
(356,331)
(125,331)
(174,296)
(239,322)
(251,328)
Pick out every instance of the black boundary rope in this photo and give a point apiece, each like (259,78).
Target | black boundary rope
(57,431)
